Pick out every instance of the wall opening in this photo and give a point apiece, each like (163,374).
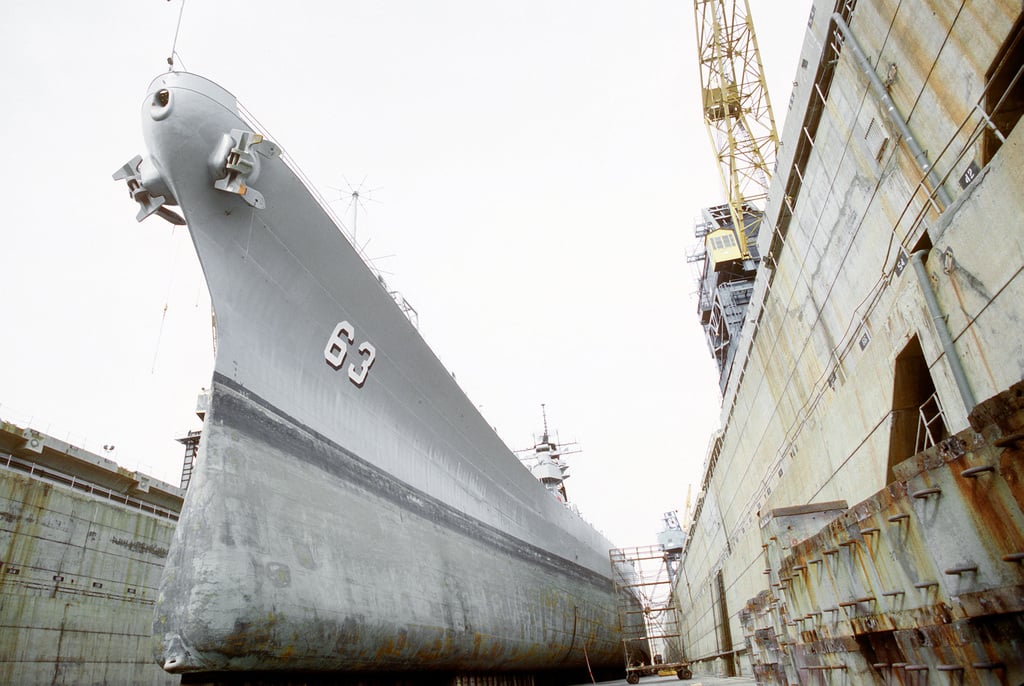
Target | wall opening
(917,417)
(724,630)
(924,242)
(1004,96)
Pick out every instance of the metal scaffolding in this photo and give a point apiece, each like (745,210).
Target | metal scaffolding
(648,613)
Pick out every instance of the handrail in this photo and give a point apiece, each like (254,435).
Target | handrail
(34,470)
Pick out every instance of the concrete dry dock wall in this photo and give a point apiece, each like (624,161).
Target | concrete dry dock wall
(845,367)
(921,583)
(79,574)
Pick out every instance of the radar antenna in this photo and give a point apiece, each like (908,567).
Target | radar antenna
(356,195)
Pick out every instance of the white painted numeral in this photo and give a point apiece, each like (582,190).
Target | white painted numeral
(337,344)
(358,377)
(337,349)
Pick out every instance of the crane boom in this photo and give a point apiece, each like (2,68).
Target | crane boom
(739,121)
(737,111)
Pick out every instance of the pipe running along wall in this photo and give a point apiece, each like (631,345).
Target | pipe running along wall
(880,91)
(925,165)
(955,365)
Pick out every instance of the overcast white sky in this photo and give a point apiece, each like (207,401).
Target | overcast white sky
(535,167)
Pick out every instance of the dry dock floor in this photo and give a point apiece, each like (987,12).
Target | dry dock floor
(698,679)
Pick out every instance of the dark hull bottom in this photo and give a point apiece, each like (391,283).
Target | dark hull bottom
(560,677)
(294,554)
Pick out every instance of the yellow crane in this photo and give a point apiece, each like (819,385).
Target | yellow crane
(738,117)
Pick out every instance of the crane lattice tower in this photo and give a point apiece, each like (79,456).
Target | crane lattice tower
(737,111)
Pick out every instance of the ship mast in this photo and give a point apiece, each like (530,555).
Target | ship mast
(544,460)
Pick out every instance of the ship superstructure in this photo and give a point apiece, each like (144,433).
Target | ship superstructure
(860,513)
(544,460)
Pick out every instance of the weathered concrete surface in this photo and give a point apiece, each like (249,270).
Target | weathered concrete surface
(924,576)
(79,569)
(818,409)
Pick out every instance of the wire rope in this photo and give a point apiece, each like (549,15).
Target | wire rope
(174,43)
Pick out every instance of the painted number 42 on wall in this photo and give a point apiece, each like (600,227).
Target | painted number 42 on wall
(337,349)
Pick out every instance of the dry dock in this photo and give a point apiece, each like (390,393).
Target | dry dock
(82,545)
(695,681)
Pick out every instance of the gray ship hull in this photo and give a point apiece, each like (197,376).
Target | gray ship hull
(350,508)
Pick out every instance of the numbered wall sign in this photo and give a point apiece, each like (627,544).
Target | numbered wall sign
(969,175)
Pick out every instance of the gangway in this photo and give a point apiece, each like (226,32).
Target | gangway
(643,589)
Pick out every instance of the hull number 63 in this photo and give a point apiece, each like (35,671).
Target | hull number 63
(337,350)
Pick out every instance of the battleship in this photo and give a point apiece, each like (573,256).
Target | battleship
(860,518)
(350,510)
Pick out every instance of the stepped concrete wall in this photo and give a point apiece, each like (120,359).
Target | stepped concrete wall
(80,566)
